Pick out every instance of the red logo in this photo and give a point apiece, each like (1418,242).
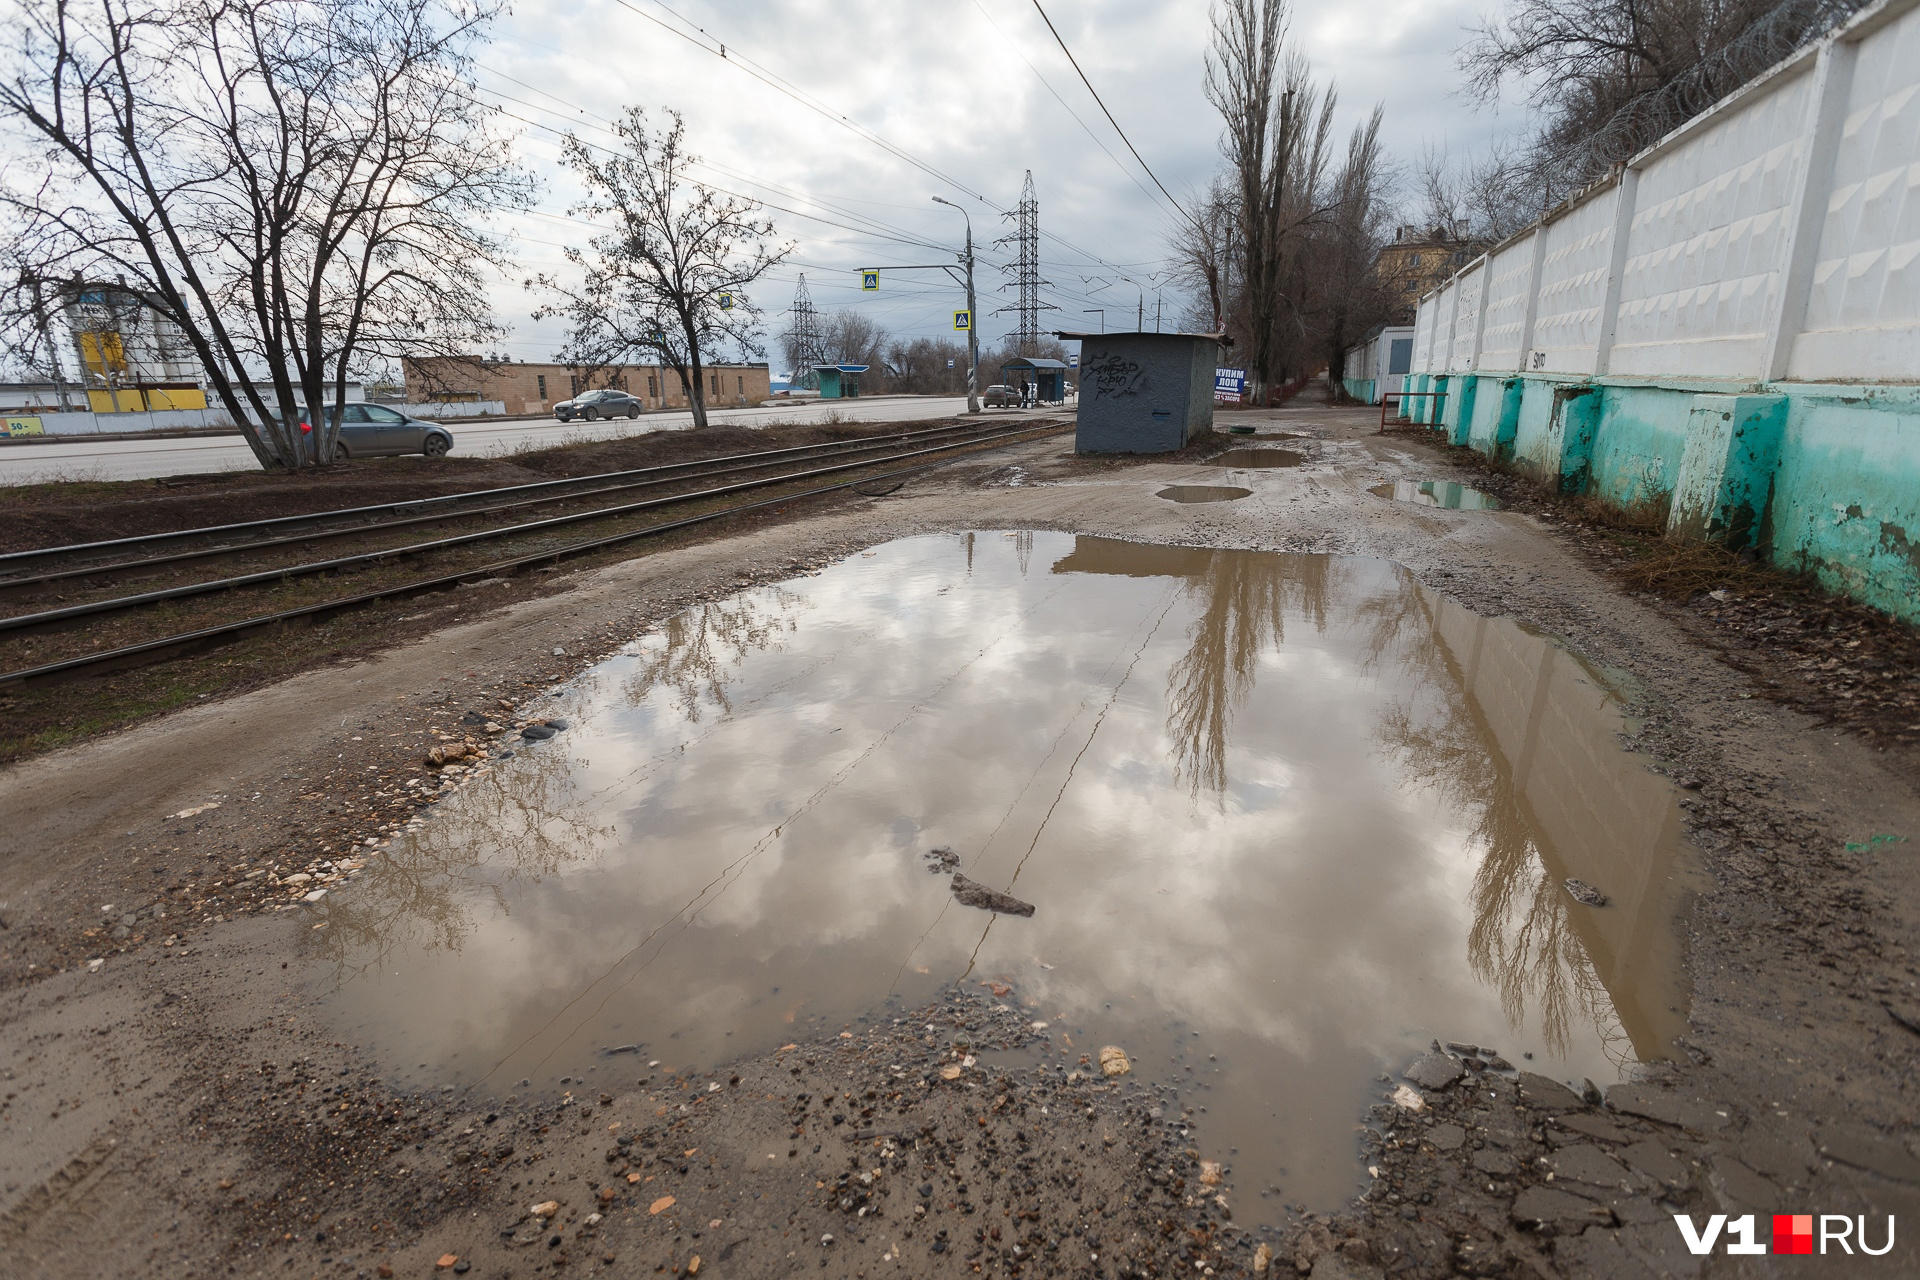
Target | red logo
(1793,1233)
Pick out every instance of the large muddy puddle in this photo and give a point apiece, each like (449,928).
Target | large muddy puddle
(1437,493)
(1282,819)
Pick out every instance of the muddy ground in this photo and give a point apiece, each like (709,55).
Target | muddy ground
(179,1109)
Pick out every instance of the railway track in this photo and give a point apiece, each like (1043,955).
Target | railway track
(926,450)
(93,561)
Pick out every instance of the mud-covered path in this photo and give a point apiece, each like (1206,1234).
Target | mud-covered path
(180,1109)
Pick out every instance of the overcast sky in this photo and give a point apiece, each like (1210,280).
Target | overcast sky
(975,91)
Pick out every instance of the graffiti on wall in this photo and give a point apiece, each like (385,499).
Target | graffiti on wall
(1112,375)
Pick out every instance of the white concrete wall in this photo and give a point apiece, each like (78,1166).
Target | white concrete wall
(1424,322)
(1862,318)
(1775,235)
(1509,289)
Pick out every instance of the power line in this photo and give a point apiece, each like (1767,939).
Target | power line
(719,49)
(1109,115)
(1037,74)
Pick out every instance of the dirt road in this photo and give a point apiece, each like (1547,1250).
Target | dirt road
(185,1107)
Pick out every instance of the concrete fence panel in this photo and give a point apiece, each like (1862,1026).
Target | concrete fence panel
(1573,286)
(1509,289)
(1862,317)
(1707,243)
(1725,334)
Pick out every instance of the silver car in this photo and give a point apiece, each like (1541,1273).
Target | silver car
(374,430)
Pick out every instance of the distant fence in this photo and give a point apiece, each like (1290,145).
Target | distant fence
(25,424)
(1775,236)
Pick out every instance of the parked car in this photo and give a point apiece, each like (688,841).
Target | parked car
(594,405)
(999,396)
(374,430)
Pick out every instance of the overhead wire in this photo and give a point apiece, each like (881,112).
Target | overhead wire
(1057,38)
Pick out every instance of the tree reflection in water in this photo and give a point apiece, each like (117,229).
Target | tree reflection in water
(1241,614)
(531,819)
(1521,939)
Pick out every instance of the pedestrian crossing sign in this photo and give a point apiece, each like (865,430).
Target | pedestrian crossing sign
(726,302)
(870,281)
(962,321)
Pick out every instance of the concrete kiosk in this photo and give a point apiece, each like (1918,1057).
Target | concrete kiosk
(1143,392)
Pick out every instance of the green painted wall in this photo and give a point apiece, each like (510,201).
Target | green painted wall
(1824,479)
(1846,493)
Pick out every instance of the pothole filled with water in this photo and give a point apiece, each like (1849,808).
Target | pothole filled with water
(1437,493)
(1258,459)
(1281,820)
(1203,493)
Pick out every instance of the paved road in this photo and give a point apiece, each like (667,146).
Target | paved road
(22,463)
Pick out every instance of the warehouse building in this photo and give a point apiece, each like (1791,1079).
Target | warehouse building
(524,387)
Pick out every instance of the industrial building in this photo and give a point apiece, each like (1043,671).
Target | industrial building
(524,387)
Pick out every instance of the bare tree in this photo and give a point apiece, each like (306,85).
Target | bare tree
(1482,200)
(928,366)
(1348,295)
(1610,77)
(1204,260)
(850,337)
(670,279)
(299,186)
(1277,125)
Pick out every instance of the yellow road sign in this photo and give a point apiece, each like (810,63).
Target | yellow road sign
(870,281)
(962,321)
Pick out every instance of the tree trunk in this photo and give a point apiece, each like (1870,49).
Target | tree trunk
(697,395)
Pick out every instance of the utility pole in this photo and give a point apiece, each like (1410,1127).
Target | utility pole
(973,316)
(1140,312)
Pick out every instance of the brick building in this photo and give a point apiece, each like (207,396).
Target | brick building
(1420,261)
(536,388)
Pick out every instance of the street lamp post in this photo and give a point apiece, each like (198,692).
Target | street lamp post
(973,317)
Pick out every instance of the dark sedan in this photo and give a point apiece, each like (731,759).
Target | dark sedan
(374,430)
(595,405)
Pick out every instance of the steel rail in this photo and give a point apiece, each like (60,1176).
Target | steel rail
(712,468)
(147,652)
(120,604)
(14,560)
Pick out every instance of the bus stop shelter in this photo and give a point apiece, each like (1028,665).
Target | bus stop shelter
(839,381)
(1046,379)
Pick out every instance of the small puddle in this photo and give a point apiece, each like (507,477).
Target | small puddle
(1258,458)
(1282,820)
(1203,493)
(1437,493)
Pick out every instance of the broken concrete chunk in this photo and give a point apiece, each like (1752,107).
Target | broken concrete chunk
(1869,1149)
(971,893)
(1654,1160)
(1434,1071)
(1739,1189)
(1447,1137)
(1669,1108)
(1586,894)
(1548,1094)
(1590,1165)
(942,861)
(1589,1126)
(1559,1212)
